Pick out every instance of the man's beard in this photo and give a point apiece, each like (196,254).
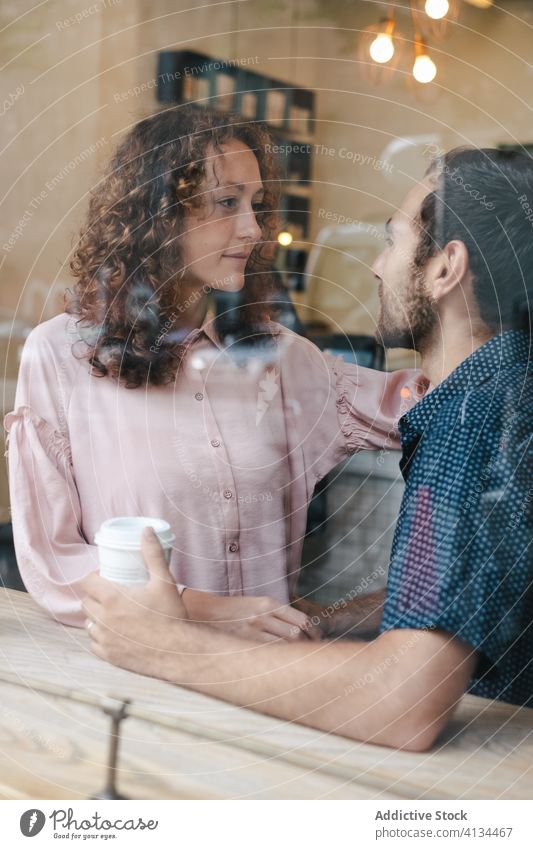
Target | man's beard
(410,319)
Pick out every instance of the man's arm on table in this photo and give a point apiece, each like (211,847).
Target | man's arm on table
(398,690)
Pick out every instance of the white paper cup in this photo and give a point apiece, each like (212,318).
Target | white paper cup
(119,548)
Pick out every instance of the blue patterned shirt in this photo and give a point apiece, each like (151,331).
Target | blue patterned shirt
(462,556)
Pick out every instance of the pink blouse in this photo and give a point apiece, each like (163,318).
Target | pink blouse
(229,455)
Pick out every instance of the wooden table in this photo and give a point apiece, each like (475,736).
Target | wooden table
(55,748)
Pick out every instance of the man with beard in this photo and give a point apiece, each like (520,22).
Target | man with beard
(458,609)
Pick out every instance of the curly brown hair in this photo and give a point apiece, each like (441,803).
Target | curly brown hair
(128,255)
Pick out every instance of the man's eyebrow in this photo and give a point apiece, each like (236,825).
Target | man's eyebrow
(388,226)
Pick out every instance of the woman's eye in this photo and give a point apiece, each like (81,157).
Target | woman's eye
(229,203)
(389,242)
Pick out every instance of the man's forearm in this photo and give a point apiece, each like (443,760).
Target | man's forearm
(342,687)
(397,690)
(359,617)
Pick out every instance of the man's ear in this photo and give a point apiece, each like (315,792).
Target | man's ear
(451,268)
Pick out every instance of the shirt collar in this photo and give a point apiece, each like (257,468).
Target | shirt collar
(207,330)
(487,362)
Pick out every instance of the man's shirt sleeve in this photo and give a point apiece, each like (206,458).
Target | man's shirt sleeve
(462,554)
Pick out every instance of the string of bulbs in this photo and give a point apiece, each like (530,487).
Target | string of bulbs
(382,48)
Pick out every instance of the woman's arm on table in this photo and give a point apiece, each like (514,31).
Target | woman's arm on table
(257,618)
(398,690)
(358,617)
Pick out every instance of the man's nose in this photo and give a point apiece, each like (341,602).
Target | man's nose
(377,266)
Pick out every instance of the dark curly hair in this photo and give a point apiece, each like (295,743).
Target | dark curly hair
(128,255)
(484,198)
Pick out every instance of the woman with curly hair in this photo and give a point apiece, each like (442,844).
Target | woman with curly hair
(137,401)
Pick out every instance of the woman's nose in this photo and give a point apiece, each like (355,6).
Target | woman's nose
(248,227)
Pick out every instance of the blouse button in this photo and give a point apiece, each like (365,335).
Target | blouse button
(228,493)
(215,443)
(233,547)
(199,396)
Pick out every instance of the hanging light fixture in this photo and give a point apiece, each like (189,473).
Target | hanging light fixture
(430,19)
(437,9)
(424,68)
(382,48)
(435,17)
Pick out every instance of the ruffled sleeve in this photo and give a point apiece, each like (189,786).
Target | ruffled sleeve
(52,555)
(369,403)
(338,408)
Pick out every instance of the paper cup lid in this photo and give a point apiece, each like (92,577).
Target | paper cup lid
(125,531)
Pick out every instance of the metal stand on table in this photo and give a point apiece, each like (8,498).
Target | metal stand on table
(117,710)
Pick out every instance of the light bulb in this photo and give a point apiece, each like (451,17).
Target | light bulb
(424,69)
(382,48)
(285,238)
(437,9)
